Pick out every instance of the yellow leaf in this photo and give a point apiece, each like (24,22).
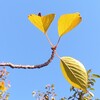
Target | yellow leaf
(74,72)
(41,22)
(67,22)
(2,86)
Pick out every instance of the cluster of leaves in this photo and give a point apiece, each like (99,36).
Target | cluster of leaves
(91,79)
(49,94)
(66,22)
(73,70)
(80,95)
(77,94)
(4,85)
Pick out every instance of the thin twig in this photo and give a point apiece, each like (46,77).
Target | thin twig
(30,66)
(57,55)
(58,41)
(53,48)
(49,40)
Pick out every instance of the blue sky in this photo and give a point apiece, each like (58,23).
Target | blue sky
(22,43)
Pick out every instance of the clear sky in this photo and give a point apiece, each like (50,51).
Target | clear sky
(22,43)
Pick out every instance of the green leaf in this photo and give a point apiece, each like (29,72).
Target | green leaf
(52,86)
(92,83)
(74,72)
(89,71)
(71,88)
(92,89)
(95,75)
(97,99)
(93,80)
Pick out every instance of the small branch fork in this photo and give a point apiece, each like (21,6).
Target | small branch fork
(33,66)
(53,48)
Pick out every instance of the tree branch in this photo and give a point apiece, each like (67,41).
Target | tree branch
(31,66)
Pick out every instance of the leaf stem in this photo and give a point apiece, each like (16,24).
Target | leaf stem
(53,46)
(58,41)
(57,55)
(49,40)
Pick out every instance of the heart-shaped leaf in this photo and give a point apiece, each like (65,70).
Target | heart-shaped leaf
(41,22)
(74,72)
(67,22)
